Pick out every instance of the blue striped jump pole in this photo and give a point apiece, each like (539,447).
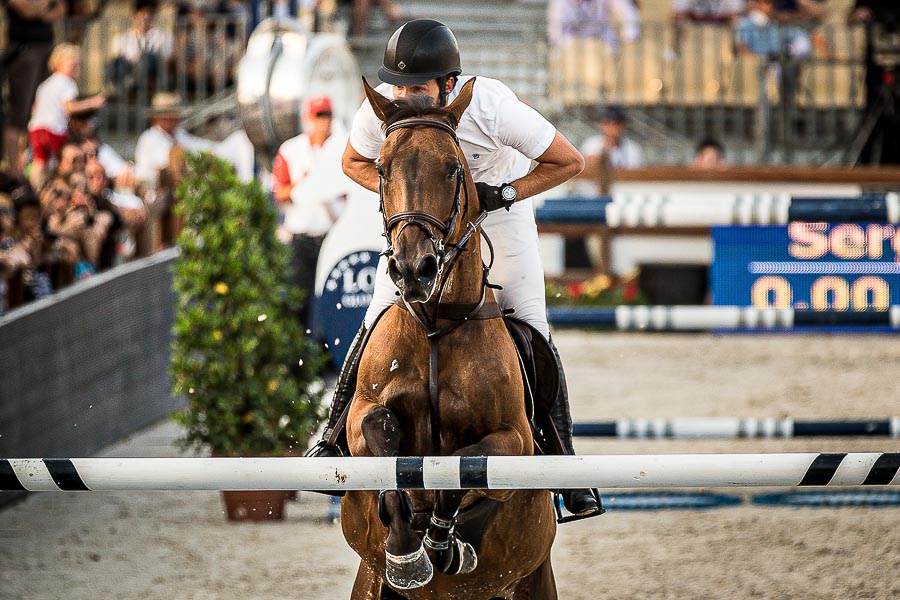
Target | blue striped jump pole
(451,472)
(657,210)
(699,318)
(731,428)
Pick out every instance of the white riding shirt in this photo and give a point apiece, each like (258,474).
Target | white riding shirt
(501,137)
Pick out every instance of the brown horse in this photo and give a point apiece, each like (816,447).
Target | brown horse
(440,376)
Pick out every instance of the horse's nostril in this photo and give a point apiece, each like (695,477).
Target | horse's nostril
(427,270)
(394,272)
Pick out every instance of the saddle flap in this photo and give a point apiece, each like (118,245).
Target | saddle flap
(538,365)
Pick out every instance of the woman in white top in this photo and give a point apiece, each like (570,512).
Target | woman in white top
(502,138)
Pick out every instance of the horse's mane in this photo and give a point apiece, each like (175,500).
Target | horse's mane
(417,106)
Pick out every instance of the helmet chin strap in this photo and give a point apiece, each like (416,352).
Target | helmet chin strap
(442,89)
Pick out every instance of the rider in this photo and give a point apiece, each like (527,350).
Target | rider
(500,136)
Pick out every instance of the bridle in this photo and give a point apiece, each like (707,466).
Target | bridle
(446,251)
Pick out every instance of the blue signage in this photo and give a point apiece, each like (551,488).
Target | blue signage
(805,265)
(338,312)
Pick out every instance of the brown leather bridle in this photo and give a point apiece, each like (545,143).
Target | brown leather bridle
(446,251)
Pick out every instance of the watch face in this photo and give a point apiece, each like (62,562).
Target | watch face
(509,193)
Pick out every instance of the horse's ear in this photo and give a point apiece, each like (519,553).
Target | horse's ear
(381,105)
(459,106)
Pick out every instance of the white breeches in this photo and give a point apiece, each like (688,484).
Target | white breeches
(517,268)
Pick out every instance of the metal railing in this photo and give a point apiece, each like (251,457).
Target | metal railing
(679,85)
(198,63)
(700,81)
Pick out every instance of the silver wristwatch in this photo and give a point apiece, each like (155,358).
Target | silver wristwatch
(509,193)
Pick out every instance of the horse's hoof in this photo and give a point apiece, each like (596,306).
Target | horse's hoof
(468,560)
(409,571)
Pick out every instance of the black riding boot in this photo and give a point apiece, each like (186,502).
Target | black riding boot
(584,502)
(334,444)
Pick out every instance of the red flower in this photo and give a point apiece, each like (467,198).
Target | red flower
(629,291)
(574,290)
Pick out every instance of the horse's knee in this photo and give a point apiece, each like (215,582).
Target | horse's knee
(381,430)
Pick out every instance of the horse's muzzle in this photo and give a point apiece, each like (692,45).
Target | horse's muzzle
(414,278)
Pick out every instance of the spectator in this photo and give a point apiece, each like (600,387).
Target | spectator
(97,225)
(758,33)
(140,54)
(784,46)
(205,48)
(882,21)
(83,131)
(710,154)
(71,161)
(311,188)
(808,15)
(155,144)
(707,12)
(158,165)
(358,11)
(580,19)
(55,99)
(803,13)
(128,211)
(612,145)
(24,65)
(30,239)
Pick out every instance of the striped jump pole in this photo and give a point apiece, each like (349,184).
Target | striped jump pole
(730,428)
(451,472)
(700,318)
(659,210)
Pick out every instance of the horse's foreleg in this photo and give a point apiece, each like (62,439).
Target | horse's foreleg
(447,552)
(407,564)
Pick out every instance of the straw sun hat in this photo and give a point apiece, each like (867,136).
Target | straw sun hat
(166,105)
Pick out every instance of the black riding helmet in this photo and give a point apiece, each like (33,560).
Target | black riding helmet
(419,51)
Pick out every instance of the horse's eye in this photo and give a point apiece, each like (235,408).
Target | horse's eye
(452,172)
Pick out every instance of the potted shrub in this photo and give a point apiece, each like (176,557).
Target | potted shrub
(240,356)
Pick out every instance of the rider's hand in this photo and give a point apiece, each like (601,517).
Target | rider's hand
(490,197)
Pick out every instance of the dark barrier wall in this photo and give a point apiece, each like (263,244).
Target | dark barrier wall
(89,365)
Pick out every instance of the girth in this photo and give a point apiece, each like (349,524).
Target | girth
(459,311)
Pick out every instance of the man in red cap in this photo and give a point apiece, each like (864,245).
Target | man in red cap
(310,189)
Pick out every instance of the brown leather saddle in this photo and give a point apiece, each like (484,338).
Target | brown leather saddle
(541,375)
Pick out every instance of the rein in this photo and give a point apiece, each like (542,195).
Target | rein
(447,253)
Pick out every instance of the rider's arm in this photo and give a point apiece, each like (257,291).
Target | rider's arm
(359,168)
(559,163)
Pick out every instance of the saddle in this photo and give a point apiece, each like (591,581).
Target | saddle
(541,376)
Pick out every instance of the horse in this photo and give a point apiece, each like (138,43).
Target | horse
(439,375)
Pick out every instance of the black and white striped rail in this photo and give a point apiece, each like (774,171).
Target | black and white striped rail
(731,428)
(658,210)
(701,318)
(451,472)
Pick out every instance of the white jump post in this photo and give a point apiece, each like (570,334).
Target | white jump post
(448,472)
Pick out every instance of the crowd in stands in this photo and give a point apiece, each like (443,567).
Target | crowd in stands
(71,206)
(200,52)
(768,27)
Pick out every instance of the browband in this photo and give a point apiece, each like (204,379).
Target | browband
(421,122)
